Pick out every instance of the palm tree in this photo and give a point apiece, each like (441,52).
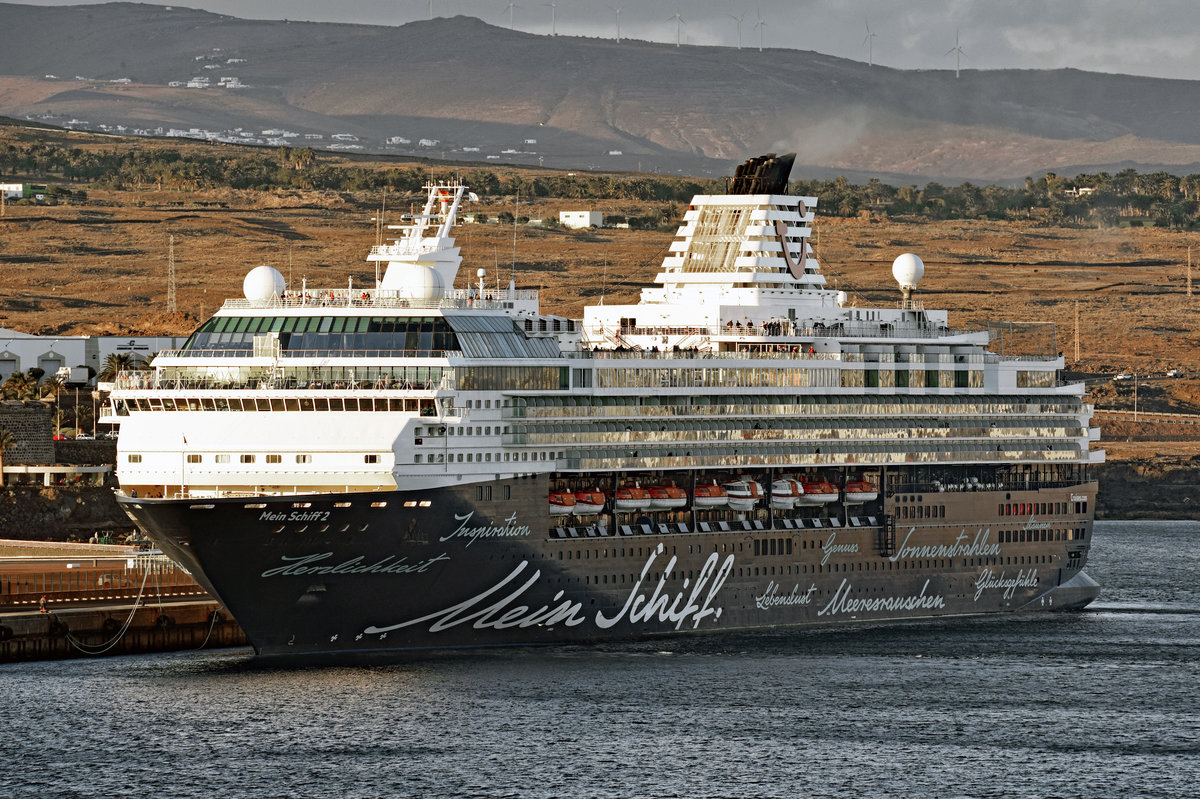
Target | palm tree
(52,386)
(7,441)
(114,363)
(19,386)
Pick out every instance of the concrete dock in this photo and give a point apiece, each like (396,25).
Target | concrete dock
(69,600)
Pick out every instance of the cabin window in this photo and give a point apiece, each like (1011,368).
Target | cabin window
(304,459)
(194,458)
(370,459)
(135,458)
(274,459)
(247,459)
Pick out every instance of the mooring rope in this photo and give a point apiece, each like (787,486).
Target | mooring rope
(100,649)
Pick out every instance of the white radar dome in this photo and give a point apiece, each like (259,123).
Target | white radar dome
(421,283)
(842,299)
(263,283)
(908,270)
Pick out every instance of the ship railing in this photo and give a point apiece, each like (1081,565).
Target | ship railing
(92,578)
(248,352)
(951,485)
(692,354)
(283,384)
(222,493)
(788,328)
(633,457)
(490,299)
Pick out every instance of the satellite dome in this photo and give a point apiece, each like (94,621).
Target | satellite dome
(263,284)
(420,283)
(842,299)
(908,270)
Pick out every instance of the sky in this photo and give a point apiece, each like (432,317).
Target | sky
(1139,37)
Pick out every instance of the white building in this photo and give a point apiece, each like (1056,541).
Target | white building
(12,191)
(581,219)
(20,352)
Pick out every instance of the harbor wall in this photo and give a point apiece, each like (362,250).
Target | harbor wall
(116,630)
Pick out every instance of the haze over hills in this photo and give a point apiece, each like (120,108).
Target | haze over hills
(481,90)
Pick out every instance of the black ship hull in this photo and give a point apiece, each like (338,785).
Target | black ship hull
(348,575)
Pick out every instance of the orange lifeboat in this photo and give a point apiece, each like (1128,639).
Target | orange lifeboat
(667,497)
(860,491)
(817,491)
(589,502)
(562,503)
(710,495)
(631,498)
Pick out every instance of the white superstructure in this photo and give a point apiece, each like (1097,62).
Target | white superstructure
(739,358)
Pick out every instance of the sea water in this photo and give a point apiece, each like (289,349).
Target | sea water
(1102,703)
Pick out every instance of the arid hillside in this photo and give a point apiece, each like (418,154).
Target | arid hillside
(101,266)
(477,89)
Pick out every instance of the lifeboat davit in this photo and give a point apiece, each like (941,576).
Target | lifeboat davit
(667,497)
(710,495)
(743,494)
(562,503)
(860,491)
(785,493)
(631,498)
(590,502)
(817,492)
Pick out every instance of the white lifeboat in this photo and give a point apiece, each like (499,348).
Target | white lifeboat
(743,494)
(785,493)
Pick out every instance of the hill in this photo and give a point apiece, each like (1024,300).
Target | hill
(480,91)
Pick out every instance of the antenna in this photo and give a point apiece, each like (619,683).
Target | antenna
(617,12)
(553,23)
(1076,332)
(761,25)
(958,51)
(869,41)
(511,5)
(171,274)
(679,23)
(604,282)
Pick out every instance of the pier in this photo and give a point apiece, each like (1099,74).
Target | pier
(80,600)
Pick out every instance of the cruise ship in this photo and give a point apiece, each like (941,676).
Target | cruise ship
(424,462)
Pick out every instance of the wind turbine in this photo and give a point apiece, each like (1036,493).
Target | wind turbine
(958,51)
(617,12)
(679,23)
(869,41)
(761,25)
(511,5)
(739,22)
(553,23)
(431,9)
